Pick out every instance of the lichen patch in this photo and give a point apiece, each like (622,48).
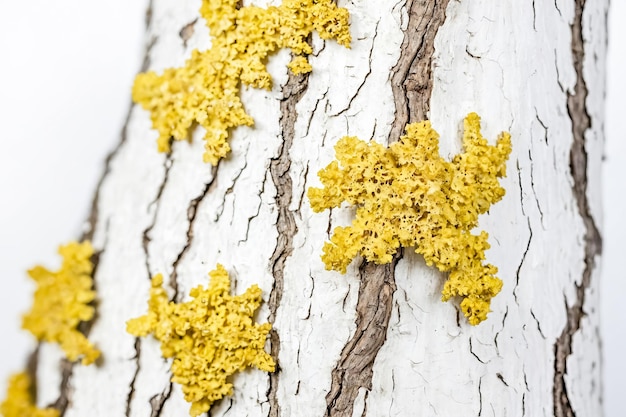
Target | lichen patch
(209,338)
(407,195)
(62,301)
(206,89)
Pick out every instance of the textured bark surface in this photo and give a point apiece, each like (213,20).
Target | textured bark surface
(376,341)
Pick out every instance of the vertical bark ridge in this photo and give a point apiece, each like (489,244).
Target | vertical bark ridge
(581,122)
(412,85)
(412,81)
(93,218)
(293,91)
(355,367)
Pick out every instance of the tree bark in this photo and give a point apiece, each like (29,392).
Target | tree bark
(377,341)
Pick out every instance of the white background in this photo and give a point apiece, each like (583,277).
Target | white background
(66,69)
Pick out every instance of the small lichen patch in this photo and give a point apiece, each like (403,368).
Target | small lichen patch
(206,90)
(61,302)
(210,337)
(407,195)
(19,401)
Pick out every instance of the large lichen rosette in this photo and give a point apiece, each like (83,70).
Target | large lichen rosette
(407,195)
(210,337)
(206,89)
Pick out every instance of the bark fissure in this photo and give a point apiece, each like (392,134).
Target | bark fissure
(354,369)
(67,369)
(131,391)
(480,397)
(519,267)
(158,401)
(229,190)
(412,81)
(412,85)
(255,215)
(581,123)
(192,211)
(93,218)
(146,238)
(369,72)
(532,186)
(286,226)
(471,349)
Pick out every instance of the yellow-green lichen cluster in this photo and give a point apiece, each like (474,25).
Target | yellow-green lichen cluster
(19,401)
(407,195)
(210,337)
(206,90)
(61,302)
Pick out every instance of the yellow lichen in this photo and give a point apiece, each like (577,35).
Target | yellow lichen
(300,65)
(407,195)
(61,302)
(206,89)
(19,401)
(210,337)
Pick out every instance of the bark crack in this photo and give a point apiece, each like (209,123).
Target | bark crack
(480,397)
(192,211)
(532,186)
(473,353)
(131,392)
(519,267)
(286,226)
(412,81)
(230,189)
(158,401)
(167,166)
(354,369)
(93,219)
(146,238)
(369,72)
(581,122)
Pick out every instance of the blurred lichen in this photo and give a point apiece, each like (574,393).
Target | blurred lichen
(19,400)
(62,301)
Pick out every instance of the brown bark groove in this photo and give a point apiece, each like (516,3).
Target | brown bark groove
(581,122)
(286,226)
(412,85)
(355,367)
(411,80)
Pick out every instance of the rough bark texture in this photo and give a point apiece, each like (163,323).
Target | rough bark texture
(376,341)
(285,223)
(581,123)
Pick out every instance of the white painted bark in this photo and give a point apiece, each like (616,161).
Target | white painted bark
(511,62)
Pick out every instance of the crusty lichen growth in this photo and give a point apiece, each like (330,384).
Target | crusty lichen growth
(19,401)
(409,196)
(62,301)
(206,89)
(210,337)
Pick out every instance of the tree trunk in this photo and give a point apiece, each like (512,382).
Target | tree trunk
(376,341)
